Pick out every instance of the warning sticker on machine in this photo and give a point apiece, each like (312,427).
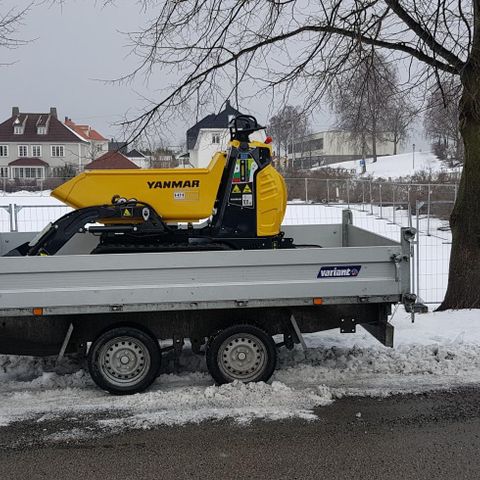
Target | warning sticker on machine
(336,271)
(247,200)
(242,195)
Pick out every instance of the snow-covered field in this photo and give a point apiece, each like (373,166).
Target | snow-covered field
(394,166)
(440,350)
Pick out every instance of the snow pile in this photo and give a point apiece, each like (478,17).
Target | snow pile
(238,401)
(394,166)
(439,350)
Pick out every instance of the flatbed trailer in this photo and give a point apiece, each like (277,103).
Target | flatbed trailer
(229,304)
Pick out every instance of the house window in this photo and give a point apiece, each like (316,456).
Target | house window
(36,151)
(58,151)
(42,130)
(28,172)
(18,129)
(3,150)
(3,172)
(215,138)
(23,151)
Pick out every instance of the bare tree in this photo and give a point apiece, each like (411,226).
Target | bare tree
(360,96)
(10,20)
(441,119)
(288,127)
(398,118)
(217,48)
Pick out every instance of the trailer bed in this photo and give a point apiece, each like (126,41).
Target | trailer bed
(353,266)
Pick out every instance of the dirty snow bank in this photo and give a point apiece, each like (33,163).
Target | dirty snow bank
(440,350)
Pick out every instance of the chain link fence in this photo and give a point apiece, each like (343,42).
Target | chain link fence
(384,207)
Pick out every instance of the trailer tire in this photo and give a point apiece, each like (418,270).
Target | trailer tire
(241,352)
(124,360)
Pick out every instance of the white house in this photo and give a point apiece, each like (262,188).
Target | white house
(139,159)
(96,146)
(211,134)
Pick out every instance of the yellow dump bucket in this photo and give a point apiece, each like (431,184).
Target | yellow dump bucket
(177,195)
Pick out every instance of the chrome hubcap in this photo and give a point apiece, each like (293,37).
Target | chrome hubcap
(242,357)
(124,361)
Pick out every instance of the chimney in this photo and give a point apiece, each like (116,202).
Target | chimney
(53,112)
(15,111)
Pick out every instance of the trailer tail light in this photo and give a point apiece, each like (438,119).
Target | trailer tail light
(38,311)
(318,301)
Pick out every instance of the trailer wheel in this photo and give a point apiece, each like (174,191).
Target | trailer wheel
(124,360)
(241,352)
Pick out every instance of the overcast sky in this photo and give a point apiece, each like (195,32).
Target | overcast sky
(74,45)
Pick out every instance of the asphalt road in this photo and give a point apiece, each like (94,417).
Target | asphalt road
(429,436)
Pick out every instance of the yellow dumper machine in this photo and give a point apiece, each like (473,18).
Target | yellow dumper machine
(238,202)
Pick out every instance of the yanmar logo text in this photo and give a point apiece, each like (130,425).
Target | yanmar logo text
(339,271)
(174,184)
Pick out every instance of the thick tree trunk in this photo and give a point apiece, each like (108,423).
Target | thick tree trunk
(464,277)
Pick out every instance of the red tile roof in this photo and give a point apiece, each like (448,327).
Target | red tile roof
(56,130)
(28,162)
(111,160)
(85,131)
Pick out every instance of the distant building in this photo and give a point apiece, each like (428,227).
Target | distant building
(111,161)
(139,159)
(97,144)
(324,148)
(210,135)
(114,146)
(36,145)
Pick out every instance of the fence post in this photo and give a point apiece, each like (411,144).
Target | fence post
(428,209)
(371,199)
(363,196)
(409,206)
(16,209)
(306,190)
(328,191)
(417,243)
(348,193)
(380,199)
(11,216)
(394,208)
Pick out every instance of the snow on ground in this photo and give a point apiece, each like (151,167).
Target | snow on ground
(439,350)
(394,166)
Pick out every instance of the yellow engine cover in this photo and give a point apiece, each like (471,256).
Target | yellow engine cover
(271,201)
(177,195)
